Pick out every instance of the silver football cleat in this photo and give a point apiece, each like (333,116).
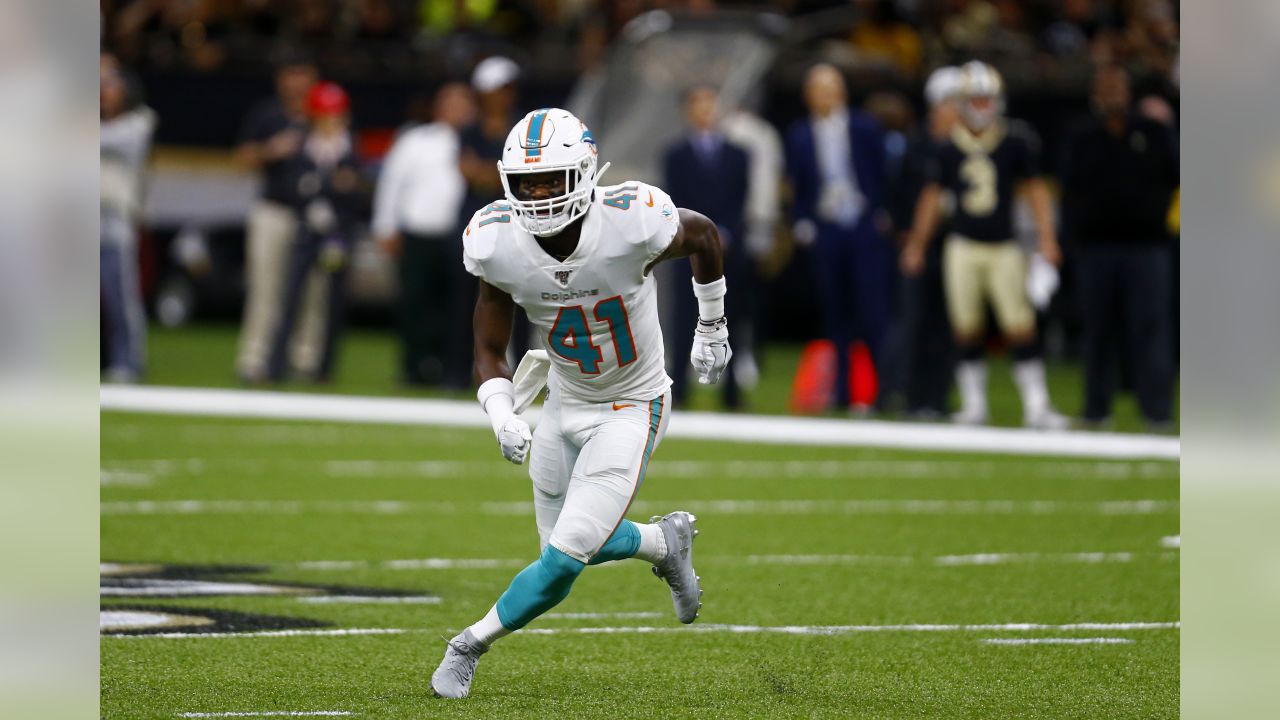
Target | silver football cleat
(677,567)
(453,678)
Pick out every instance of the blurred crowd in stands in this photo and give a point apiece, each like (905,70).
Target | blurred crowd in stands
(910,36)
(846,160)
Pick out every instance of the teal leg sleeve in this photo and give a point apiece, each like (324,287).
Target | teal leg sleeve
(538,588)
(622,544)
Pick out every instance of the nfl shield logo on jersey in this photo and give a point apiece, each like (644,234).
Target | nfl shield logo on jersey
(562,277)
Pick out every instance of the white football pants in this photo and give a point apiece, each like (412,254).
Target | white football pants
(587,463)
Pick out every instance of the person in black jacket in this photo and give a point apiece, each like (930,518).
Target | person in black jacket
(1119,174)
(929,352)
(327,195)
(706,173)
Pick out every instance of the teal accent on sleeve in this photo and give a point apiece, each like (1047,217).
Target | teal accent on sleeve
(538,588)
(622,544)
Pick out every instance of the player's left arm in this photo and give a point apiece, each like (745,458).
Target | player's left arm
(697,239)
(1037,191)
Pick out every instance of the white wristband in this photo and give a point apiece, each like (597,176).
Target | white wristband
(497,397)
(710,299)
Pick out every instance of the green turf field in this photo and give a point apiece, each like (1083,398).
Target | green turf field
(802,540)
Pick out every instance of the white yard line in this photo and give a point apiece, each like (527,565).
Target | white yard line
(601,616)
(848,629)
(335,632)
(369,600)
(1173,542)
(706,628)
(718,507)
(975,559)
(696,425)
(783,469)
(272,714)
(1058,641)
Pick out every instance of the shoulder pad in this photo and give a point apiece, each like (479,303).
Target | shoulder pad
(485,231)
(638,211)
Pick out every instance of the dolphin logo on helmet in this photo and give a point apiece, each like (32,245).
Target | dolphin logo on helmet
(550,140)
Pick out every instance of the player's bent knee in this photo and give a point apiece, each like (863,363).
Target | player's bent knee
(538,588)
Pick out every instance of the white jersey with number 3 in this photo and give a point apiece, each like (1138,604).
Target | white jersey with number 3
(597,311)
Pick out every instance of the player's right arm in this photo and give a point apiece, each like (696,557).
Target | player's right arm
(923,226)
(492,324)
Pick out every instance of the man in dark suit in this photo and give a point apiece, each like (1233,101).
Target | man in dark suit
(836,164)
(704,172)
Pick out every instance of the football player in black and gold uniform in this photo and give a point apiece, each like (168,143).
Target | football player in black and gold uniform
(986,162)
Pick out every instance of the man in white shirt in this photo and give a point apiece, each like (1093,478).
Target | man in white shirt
(416,216)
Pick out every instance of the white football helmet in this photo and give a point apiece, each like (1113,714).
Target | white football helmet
(550,139)
(944,84)
(981,81)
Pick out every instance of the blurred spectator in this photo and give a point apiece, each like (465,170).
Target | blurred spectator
(494,81)
(928,352)
(705,173)
(273,132)
(328,200)
(884,36)
(417,218)
(836,163)
(763,146)
(1119,175)
(125,138)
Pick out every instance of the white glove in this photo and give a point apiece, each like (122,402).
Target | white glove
(514,438)
(496,396)
(711,352)
(1042,281)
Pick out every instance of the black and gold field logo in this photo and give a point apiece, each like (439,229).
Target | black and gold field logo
(123,587)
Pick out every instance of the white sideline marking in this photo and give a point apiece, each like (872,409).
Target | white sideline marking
(270,714)
(1172,542)
(1058,641)
(718,507)
(694,425)
(338,632)
(709,628)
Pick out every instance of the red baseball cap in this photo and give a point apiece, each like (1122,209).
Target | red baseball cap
(327,98)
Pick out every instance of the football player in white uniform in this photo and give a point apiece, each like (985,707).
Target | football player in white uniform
(577,258)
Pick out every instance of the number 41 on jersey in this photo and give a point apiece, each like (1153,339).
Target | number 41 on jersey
(570,336)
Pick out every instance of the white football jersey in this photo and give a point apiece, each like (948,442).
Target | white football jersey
(596,312)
